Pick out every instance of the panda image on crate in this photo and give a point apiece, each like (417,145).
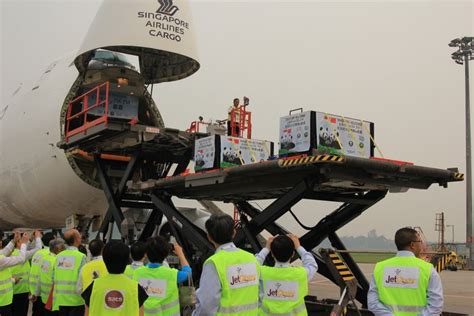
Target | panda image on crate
(231,156)
(286,140)
(219,151)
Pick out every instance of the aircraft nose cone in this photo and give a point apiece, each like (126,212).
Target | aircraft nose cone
(159,32)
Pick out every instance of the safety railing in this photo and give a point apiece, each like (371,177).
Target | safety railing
(240,122)
(84,111)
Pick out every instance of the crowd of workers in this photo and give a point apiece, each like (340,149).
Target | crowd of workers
(59,280)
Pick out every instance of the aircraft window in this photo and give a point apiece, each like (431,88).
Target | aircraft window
(104,55)
(122,58)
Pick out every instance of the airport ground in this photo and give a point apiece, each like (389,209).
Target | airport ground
(458,289)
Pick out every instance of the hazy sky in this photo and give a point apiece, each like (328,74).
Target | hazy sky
(383,61)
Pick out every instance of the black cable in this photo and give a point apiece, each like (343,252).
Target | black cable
(299,222)
(310,228)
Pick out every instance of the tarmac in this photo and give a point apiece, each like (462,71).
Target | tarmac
(458,288)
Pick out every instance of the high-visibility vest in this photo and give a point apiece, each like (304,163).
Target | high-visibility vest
(161,285)
(34,279)
(20,271)
(6,286)
(238,273)
(91,271)
(129,270)
(66,275)
(284,290)
(402,284)
(46,275)
(114,295)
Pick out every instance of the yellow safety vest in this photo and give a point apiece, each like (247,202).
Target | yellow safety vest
(284,290)
(161,285)
(238,273)
(91,271)
(129,270)
(20,271)
(6,286)
(114,295)
(402,284)
(66,275)
(34,279)
(46,275)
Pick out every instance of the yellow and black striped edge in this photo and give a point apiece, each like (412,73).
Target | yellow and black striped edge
(309,159)
(458,176)
(441,265)
(341,267)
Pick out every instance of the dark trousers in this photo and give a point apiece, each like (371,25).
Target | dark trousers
(71,310)
(6,310)
(50,313)
(20,304)
(236,128)
(38,307)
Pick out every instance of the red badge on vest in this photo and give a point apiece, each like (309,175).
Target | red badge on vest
(114,299)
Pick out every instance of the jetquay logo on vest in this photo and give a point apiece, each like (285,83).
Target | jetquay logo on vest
(161,23)
(281,290)
(242,275)
(402,277)
(113,299)
(167,7)
(154,287)
(66,263)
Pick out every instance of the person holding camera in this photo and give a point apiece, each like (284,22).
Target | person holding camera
(283,287)
(161,282)
(21,273)
(6,284)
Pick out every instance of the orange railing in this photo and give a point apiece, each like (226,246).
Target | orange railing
(82,120)
(196,126)
(240,122)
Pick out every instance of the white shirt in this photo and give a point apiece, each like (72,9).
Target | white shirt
(6,262)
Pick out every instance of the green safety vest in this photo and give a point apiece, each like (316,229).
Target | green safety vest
(161,285)
(238,272)
(91,271)
(20,271)
(129,270)
(114,295)
(284,290)
(34,279)
(6,286)
(46,275)
(402,284)
(66,275)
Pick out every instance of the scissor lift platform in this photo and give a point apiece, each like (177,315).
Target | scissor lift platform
(332,176)
(357,183)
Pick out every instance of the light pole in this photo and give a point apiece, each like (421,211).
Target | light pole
(462,56)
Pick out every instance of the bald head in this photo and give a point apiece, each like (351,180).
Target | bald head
(72,237)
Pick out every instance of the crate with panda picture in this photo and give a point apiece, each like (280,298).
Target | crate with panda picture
(314,132)
(219,151)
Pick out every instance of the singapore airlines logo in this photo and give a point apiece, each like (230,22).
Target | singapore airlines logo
(167,7)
